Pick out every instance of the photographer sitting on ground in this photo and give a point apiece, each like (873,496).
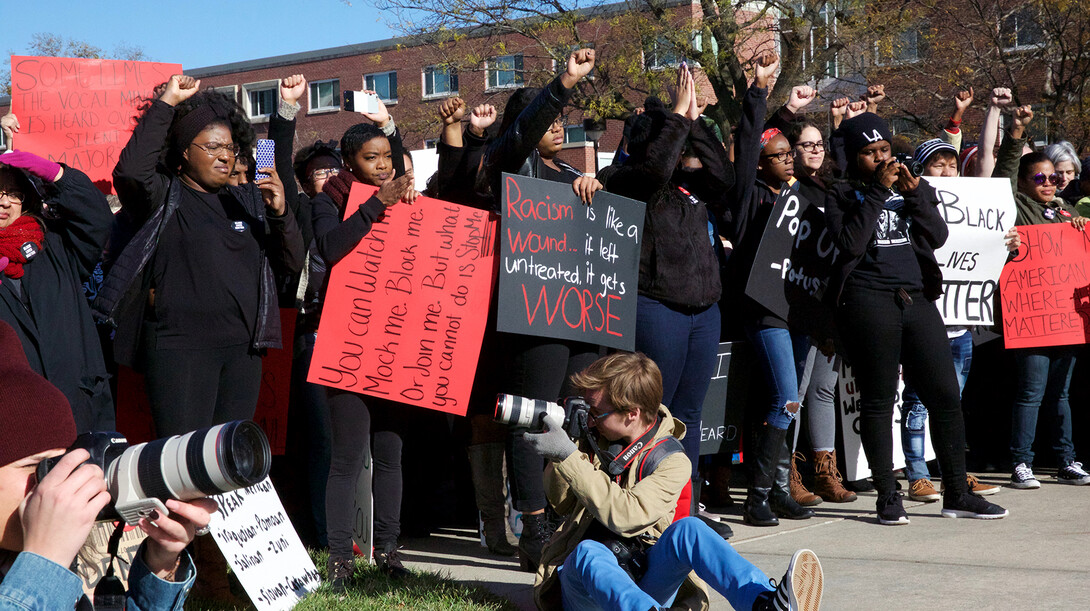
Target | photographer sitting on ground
(44,524)
(618,547)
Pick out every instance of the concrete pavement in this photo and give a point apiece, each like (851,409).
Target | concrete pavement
(1036,558)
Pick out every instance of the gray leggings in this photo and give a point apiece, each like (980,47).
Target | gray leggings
(819,387)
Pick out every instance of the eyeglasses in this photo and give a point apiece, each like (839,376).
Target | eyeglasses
(1052,178)
(783,157)
(214,148)
(812,147)
(324,173)
(15,197)
(594,420)
(558,123)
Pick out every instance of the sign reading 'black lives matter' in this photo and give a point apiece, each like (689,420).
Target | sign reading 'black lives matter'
(568,270)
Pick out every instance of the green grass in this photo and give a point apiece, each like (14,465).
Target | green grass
(370,589)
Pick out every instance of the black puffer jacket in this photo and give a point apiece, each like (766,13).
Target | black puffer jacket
(678,262)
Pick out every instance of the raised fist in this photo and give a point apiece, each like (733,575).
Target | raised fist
(1001,96)
(180,88)
(483,116)
(801,95)
(765,66)
(292,88)
(451,110)
(963,99)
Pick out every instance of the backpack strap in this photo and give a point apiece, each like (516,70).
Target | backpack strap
(658,452)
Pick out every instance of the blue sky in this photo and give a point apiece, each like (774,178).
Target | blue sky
(194,33)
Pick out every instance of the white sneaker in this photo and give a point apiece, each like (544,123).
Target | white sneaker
(1023,477)
(1073,474)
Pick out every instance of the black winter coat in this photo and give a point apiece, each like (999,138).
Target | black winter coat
(58,334)
(149,199)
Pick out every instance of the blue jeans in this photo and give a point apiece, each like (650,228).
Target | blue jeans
(685,345)
(914,414)
(782,356)
(590,577)
(1044,376)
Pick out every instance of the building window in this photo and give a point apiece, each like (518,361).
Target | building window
(821,36)
(260,99)
(3,141)
(574,133)
(1022,30)
(384,84)
(905,48)
(440,81)
(505,71)
(325,95)
(430,143)
(660,53)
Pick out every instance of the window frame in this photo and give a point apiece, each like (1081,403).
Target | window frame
(311,108)
(387,101)
(1023,11)
(517,70)
(250,88)
(452,82)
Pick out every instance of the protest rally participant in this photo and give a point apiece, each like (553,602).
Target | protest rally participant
(634,510)
(45,523)
(372,155)
(460,151)
(882,285)
(49,254)
(763,168)
(1043,374)
(193,293)
(531,134)
(1083,204)
(1065,161)
(677,166)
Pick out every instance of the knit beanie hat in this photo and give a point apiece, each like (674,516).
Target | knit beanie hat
(35,416)
(932,146)
(862,130)
(967,157)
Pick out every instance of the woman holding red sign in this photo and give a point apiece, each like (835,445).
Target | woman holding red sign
(1044,374)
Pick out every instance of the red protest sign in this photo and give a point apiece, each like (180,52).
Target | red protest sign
(405,312)
(80,112)
(1045,291)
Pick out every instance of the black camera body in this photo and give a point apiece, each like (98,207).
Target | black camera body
(914,167)
(201,463)
(529,414)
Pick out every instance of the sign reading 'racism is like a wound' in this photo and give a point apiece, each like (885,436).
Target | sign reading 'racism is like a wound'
(568,270)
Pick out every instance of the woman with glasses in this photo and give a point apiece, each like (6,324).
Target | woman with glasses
(193,294)
(1044,374)
(678,167)
(53,226)
(764,168)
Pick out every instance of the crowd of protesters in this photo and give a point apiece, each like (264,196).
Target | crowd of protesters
(207,247)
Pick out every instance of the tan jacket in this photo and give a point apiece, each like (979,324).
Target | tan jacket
(582,492)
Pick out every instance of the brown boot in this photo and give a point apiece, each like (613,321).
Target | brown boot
(799,492)
(827,480)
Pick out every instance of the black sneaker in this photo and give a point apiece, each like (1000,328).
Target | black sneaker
(799,590)
(340,573)
(969,505)
(1023,477)
(1073,474)
(389,562)
(891,509)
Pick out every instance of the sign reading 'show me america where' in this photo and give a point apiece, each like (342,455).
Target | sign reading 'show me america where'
(978,211)
(81,112)
(568,270)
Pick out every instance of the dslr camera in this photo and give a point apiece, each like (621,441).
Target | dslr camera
(914,167)
(201,463)
(529,414)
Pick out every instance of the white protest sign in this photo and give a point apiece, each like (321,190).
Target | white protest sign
(259,542)
(978,212)
(855,461)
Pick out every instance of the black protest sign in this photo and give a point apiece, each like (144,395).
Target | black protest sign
(791,268)
(726,399)
(568,270)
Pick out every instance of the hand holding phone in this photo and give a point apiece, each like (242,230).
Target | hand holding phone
(264,157)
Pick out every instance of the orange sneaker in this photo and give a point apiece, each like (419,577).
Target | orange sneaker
(923,490)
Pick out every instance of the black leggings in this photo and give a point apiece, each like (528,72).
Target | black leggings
(538,368)
(356,430)
(195,389)
(879,333)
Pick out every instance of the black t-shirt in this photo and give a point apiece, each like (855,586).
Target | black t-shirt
(889,262)
(207,273)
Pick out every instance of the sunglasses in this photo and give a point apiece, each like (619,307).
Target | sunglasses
(1040,178)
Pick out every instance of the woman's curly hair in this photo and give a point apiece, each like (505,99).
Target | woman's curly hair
(242,133)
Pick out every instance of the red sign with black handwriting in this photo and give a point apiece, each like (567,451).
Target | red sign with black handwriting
(1045,290)
(81,112)
(405,312)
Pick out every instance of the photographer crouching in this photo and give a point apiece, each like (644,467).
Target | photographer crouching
(617,486)
(45,523)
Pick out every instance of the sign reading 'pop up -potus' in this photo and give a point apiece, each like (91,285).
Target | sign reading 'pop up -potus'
(1045,290)
(568,270)
(80,112)
(405,312)
(978,211)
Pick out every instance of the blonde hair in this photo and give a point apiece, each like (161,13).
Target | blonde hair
(630,380)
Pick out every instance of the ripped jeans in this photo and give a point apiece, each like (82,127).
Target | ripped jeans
(914,413)
(782,356)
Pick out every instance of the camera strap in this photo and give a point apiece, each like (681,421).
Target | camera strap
(110,593)
(617,462)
